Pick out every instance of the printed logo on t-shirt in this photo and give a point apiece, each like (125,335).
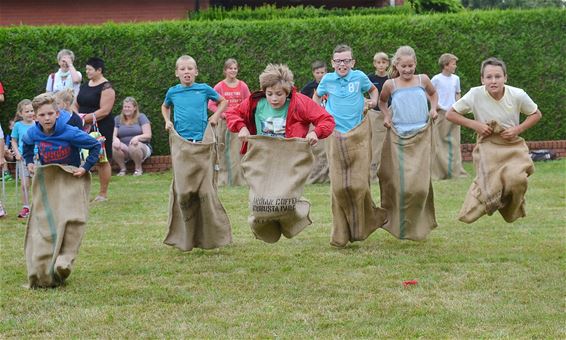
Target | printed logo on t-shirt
(273,126)
(53,154)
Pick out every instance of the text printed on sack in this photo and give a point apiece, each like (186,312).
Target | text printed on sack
(261,204)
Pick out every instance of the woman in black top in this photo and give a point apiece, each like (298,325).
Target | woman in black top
(95,100)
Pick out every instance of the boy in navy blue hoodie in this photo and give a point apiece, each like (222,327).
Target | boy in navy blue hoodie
(56,141)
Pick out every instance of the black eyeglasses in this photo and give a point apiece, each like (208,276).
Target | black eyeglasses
(342,61)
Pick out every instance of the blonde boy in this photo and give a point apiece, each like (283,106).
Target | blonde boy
(189,100)
(380,76)
(447,162)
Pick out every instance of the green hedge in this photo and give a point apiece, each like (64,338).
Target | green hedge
(270,12)
(141,57)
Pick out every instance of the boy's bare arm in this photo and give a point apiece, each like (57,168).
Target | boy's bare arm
(457,118)
(529,122)
(373,97)
(316,98)
(166,113)
(222,104)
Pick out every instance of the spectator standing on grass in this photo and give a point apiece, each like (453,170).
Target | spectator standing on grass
(94,103)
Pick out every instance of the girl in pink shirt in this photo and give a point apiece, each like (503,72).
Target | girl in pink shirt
(231,88)
(235,91)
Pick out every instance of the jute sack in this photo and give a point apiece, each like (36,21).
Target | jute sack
(230,172)
(378,132)
(276,170)
(197,219)
(319,172)
(56,224)
(447,160)
(406,185)
(502,168)
(354,214)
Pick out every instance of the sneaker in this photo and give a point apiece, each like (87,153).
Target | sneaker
(24,213)
(121,173)
(2,211)
(99,199)
(138,173)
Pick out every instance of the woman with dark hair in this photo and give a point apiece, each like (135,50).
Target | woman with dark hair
(94,103)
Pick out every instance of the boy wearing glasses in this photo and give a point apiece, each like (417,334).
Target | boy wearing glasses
(354,214)
(345,88)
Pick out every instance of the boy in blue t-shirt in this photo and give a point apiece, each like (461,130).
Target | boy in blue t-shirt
(189,101)
(345,88)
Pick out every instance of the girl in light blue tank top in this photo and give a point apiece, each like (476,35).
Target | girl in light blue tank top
(409,111)
(409,107)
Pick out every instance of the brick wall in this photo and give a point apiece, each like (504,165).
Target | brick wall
(71,12)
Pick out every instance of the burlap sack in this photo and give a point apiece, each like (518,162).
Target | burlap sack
(276,171)
(197,219)
(354,214)
(447,160)
(502,168)
(378,132)
(230,172)
(319,171)
(406,185)
(56,224)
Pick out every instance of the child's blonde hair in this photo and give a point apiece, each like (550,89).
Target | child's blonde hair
(493,62)
(381,56)
(276,74)
(185,57)
(66,96)
(229,62)
(403,51)
(445,59)
(136,114)
(44,99)
(21,105)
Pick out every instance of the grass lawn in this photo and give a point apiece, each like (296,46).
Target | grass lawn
(486,280)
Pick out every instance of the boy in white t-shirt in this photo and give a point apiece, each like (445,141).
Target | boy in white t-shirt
(447,162)
(495,101)
(501,157)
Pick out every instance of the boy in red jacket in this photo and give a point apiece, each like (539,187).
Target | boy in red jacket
(278,110)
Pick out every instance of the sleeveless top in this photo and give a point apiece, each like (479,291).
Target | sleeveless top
(89,101)
(409,107)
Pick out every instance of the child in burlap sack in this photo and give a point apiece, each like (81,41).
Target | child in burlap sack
(405,168)
(60,194)
(447,162)
(279,111)
(500,157)
(354,214)
(235,91)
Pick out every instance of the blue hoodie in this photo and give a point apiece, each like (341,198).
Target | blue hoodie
(62,147)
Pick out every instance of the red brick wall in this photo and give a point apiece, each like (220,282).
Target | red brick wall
(72,12)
